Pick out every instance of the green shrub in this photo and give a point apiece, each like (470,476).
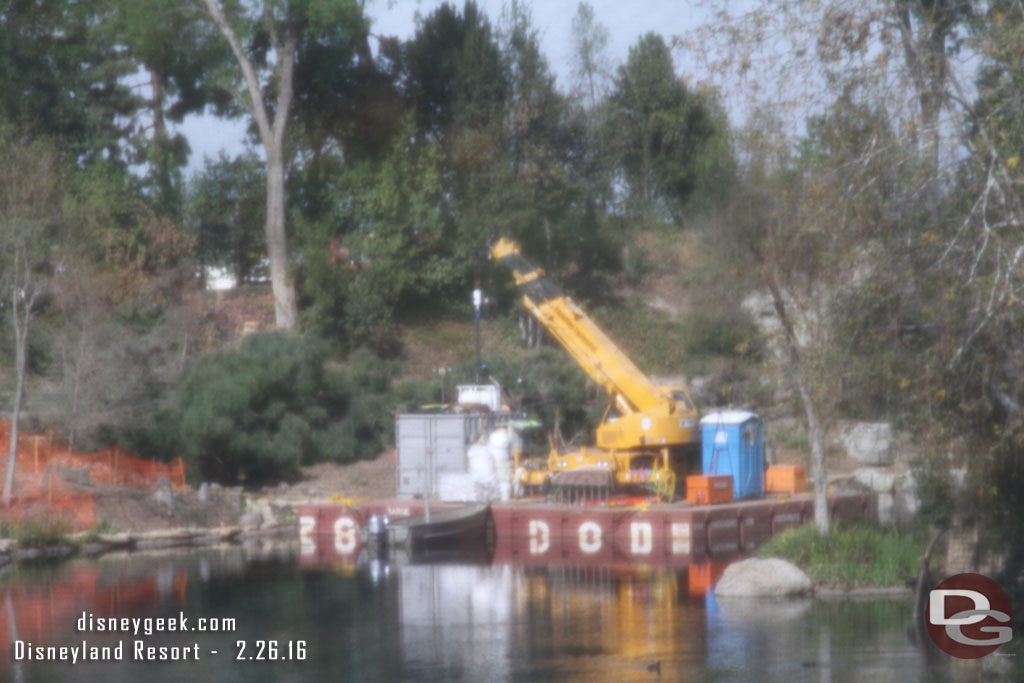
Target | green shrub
(935,487)
(635,264)
(543,383)
(649,337)
(791,439)
(720,335)
(35,534)
(854,554)
(412,394)
(260,412)
(660,345)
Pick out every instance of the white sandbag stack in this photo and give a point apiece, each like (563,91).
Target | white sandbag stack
(481,462)
(456,487)
(478,485)
(500,446)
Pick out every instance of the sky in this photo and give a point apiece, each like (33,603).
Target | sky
(625,22)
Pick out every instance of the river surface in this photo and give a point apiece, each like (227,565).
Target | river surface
(439,622)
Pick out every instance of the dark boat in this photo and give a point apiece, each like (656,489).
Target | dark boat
(447,529)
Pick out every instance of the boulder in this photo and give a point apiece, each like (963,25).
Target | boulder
(886,508)
(869,442)
(763,578)
(906,497)
(251,520)
(874,480)
(164,497)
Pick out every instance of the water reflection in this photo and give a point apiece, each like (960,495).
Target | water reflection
(406,621)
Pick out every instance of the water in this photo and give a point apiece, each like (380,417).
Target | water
(447,622)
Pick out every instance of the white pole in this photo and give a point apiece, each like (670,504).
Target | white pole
(430,466)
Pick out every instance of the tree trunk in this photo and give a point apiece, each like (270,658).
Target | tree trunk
(793,362)
(156,102)
(816,436)
(20,337)
(277,249)
(76,386)
(272,136)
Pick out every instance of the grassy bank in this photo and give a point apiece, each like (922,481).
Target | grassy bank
(854,554)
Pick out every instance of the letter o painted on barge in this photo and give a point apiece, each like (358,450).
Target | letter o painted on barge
(590,537)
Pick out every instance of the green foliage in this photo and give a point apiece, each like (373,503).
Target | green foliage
(853,554)
(276,403)
(71,81)
(117,228)
(661,345)
(340,94)
(456,75)
(671,144)
(486,146)
(790,439)
(723,334)
(35,534)
(395,246)
(411,395)
(935,488)
(635,264)
(545,383)
(590,38)
(226,211)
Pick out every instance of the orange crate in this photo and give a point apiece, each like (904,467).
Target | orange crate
(707,489)
(785,479)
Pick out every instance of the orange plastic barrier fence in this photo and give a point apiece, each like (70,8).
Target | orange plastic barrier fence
(48,478)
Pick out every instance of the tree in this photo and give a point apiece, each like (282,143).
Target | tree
(173,53)
(669,143)
(272,125)
(816,223)
(259,412)
(70,77)
(29,216)
(924,324)
(538,146)
(978,386)
(458,83)
(392,238)
(590,39)
(266,40)
(224,212)
(928,33)
(456,77)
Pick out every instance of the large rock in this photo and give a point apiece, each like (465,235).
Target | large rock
(906,498)
(883,485)
(869,442)
(763,578)
(874,479)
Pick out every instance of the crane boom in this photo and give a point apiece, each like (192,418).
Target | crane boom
(598,355)
(654,434)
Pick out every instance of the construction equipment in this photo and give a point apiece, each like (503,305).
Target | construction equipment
(648,438)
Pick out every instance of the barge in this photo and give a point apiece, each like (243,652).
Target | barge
(532,531)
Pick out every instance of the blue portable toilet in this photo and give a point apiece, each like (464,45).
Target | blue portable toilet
(732,442)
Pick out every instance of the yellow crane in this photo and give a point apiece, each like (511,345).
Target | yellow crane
(648,438)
